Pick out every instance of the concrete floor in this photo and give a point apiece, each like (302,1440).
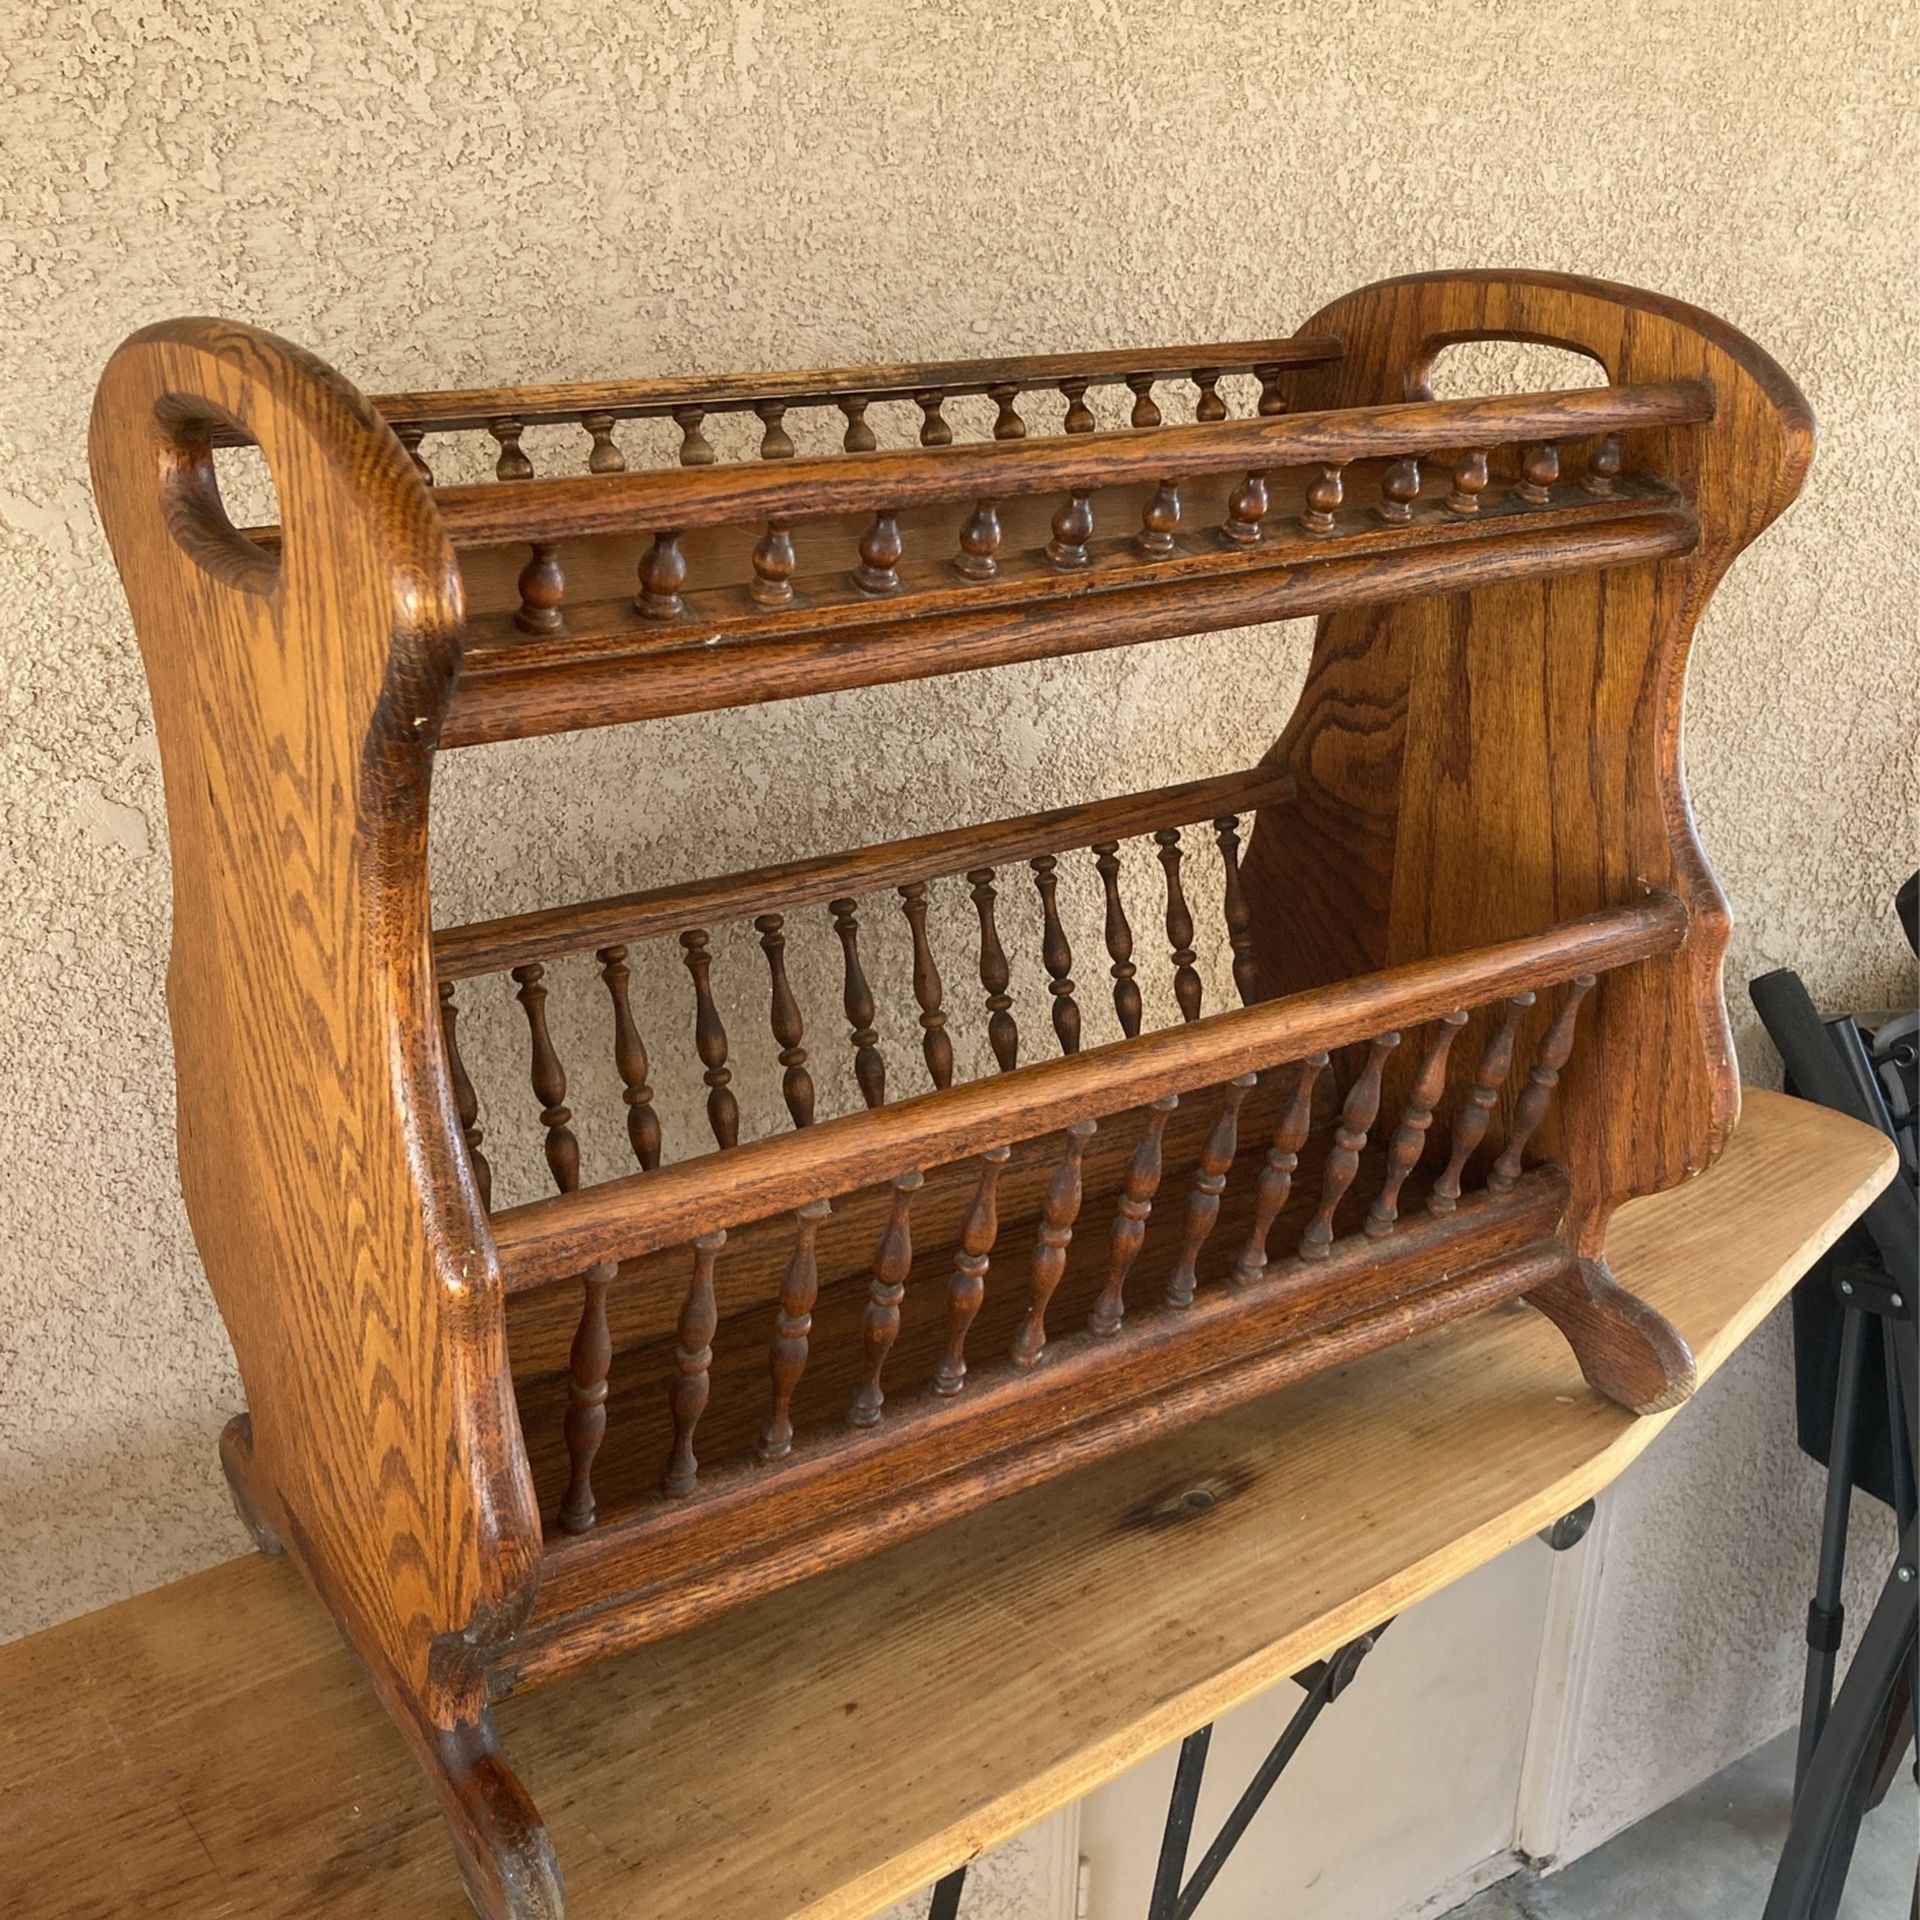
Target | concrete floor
(1711,1855)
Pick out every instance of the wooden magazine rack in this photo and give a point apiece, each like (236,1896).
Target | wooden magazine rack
(1473,945)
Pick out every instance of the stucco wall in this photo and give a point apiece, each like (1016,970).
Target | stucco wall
(437,193)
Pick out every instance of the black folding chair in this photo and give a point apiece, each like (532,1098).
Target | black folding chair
(1851,1740)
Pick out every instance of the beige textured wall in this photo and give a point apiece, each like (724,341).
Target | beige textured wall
(434,193)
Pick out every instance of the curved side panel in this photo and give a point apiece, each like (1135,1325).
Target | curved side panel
(1477,765)
(297,697)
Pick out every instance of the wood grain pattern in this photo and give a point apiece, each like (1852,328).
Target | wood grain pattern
(149,1768)
(296,698)
(1490,758)
(1476,818)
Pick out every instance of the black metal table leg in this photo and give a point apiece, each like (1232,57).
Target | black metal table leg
(1326,1682)
(1187,1775)
(946,1895)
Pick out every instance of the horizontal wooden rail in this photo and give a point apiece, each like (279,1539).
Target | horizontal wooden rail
(741,392)
(456,410)
(559,1238)
(717,606)
(517,694)
(680,498)
(492,946)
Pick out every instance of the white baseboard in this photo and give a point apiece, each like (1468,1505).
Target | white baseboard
(1463,1886)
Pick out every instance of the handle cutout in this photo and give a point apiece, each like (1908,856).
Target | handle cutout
(191,497)
(1465,367)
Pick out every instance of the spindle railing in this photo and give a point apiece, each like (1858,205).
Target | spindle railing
(974,858)
(947,557)
(1225,1200)
(593,408)
(548,1240)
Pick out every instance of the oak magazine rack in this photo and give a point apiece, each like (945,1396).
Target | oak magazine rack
(1470,995)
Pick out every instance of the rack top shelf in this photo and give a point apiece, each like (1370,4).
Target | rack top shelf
(767,580)
(155,1766)
(615,594)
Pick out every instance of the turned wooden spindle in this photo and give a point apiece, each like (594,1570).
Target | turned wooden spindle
(934,430)
(1003,1033)
(549,1079)
(774,562)
(1239,919)
(1209,406)
(692,1361)
(710,1040)
(892,1262)
(1246,509)
(1272,399)
(1079,418)
(663,572)
(1119,934)
(1537,1095)
(1410,1137)
(1145,413)
(410,438)
(1603,467)
(513,463)
(1055,953)
(979,543)
(935,1043)
(1325,492)
(1539,469)
(796,1083)
(603,456)
(1469,483)
(968,1286)
(858,437)
(1282,1162)
(696,450)
(869,1070)
(1072,529)
(792,1325)
(880,549)
(1186,977)
(1058,1211)
(1357,1115)
(630,1061)
(1209,1183)
(1159,521)
(1399,489)
(543,587)
(1130,1210)
(1007,424)
(775,441)
(466,1102)
(1475,1112)
(592,1351)
(584,1426)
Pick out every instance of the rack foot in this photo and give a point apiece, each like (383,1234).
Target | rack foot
(500,1843)
(236,1461)
(1627,1351)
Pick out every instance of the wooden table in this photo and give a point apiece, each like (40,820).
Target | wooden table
(210,1749)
